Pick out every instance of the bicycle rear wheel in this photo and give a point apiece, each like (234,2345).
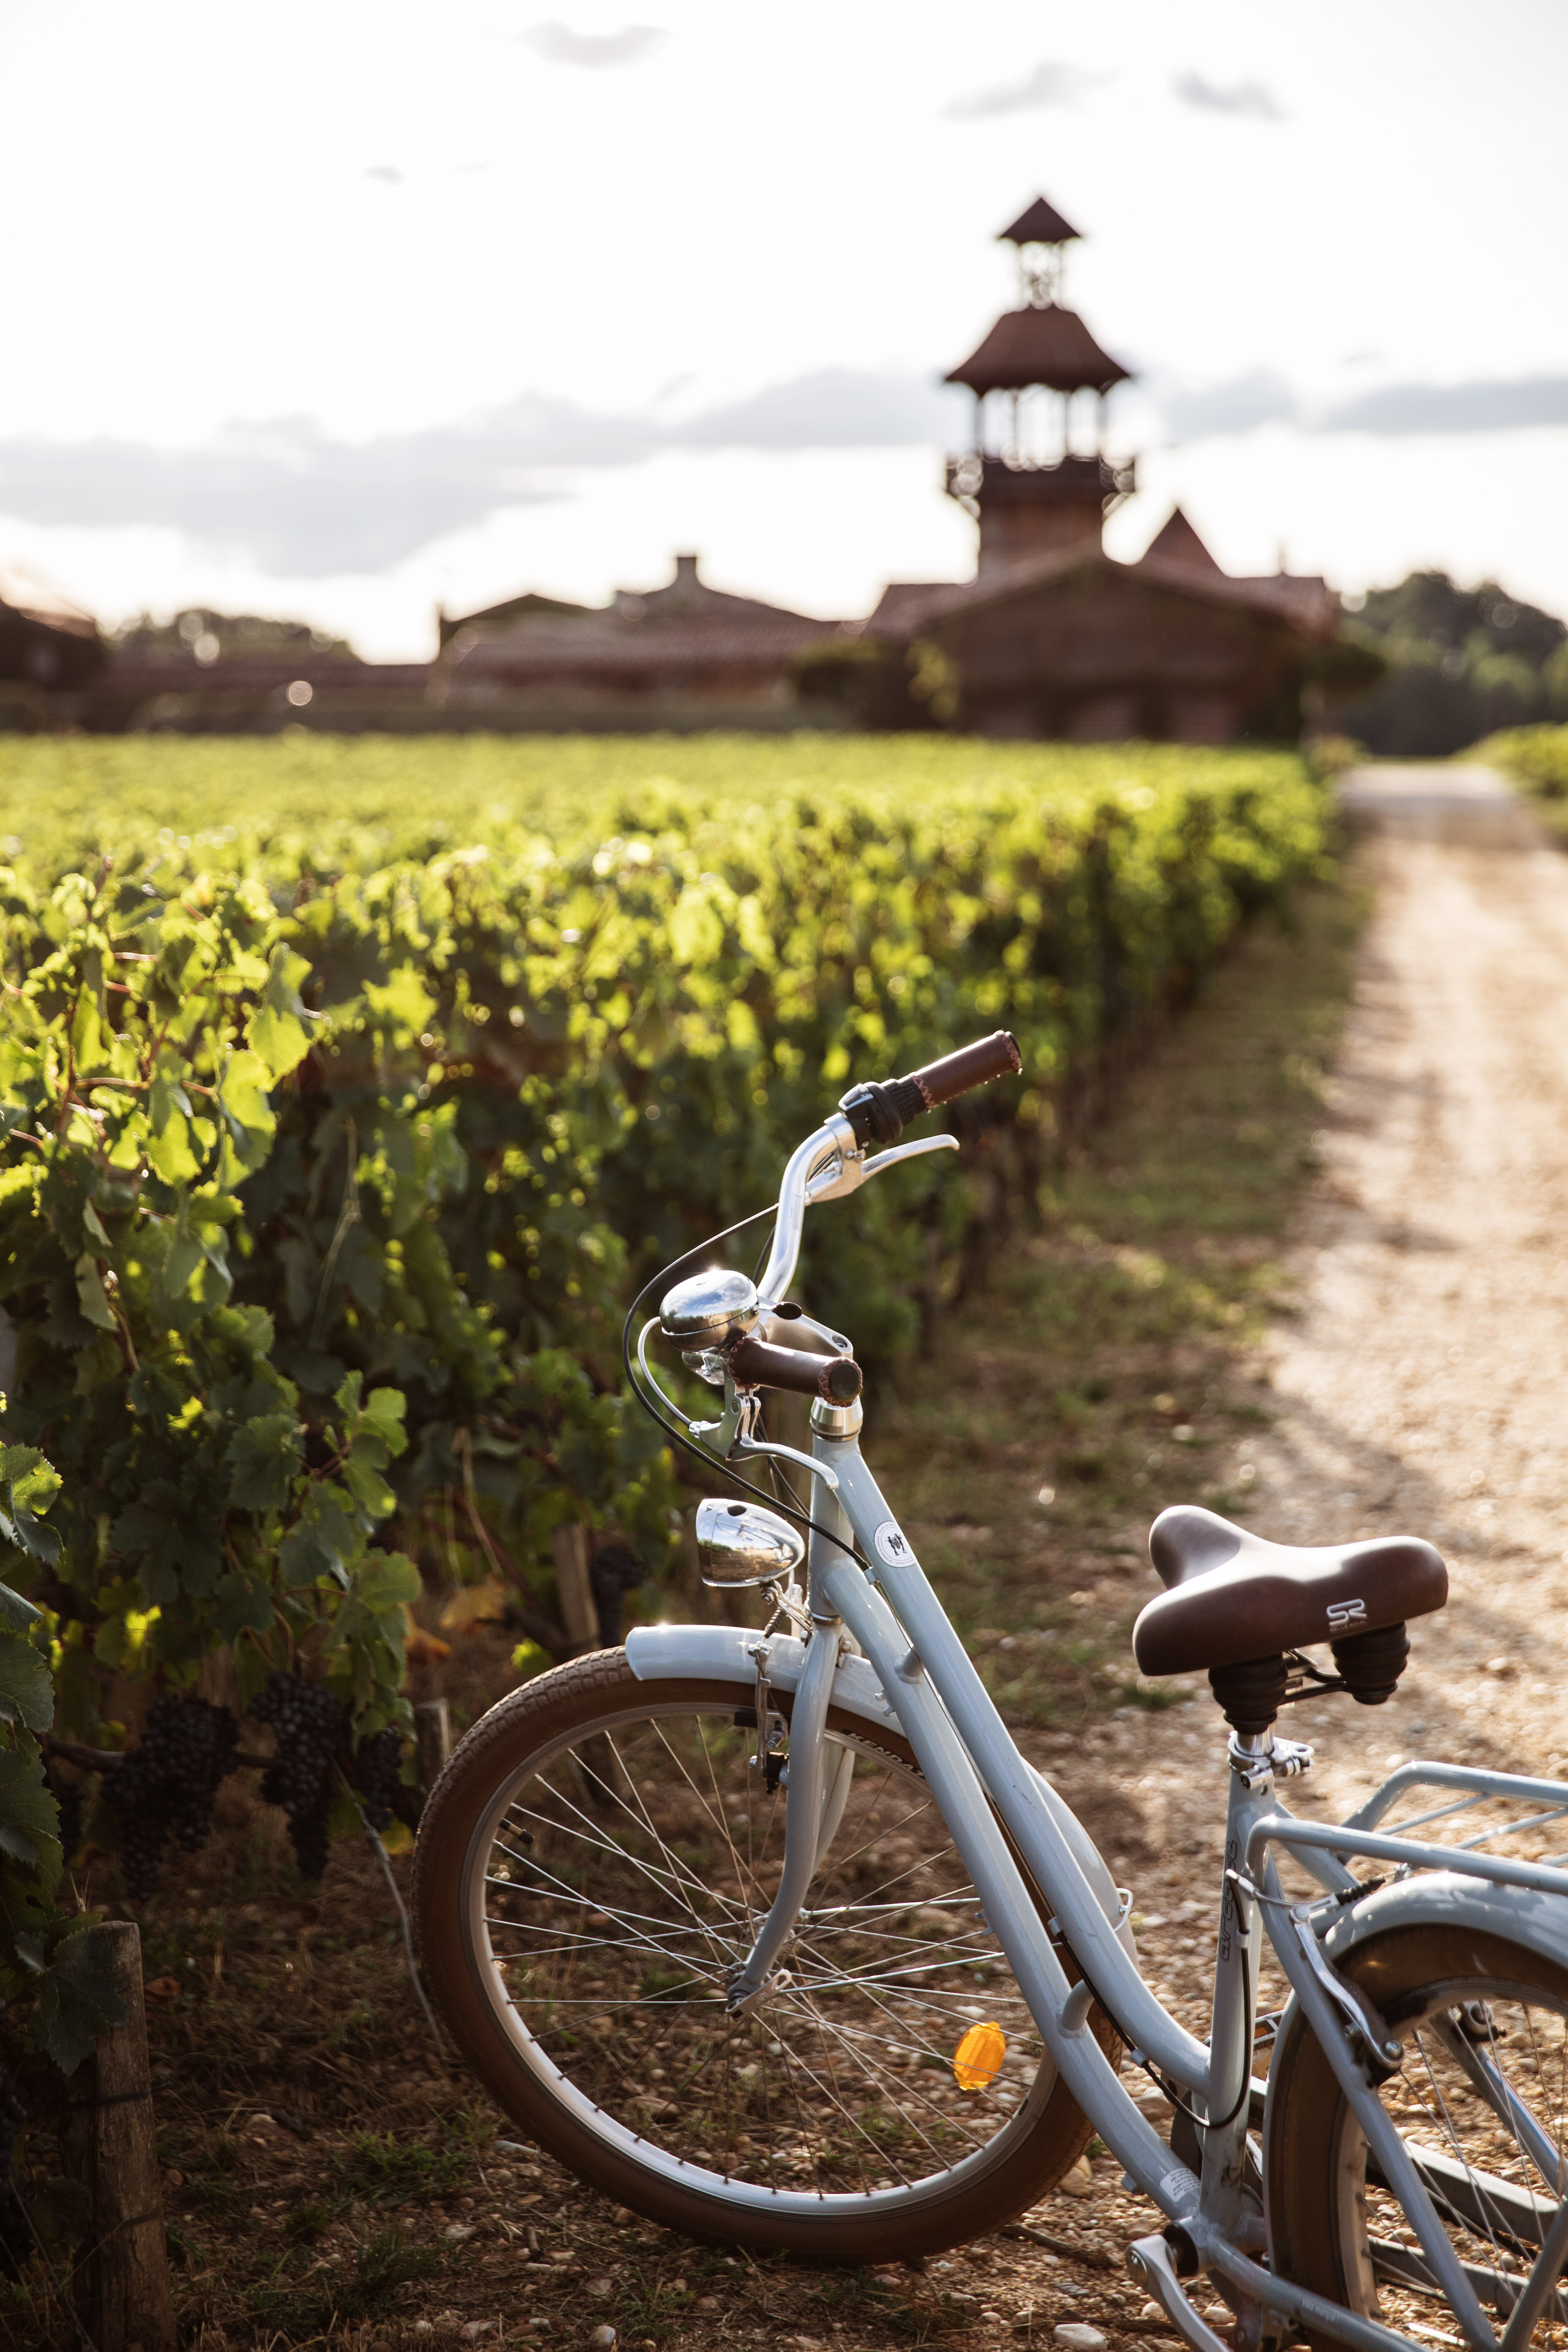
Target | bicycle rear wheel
(1481,2101)
(596,1856)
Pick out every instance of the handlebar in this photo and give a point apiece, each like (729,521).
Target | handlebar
(757,1363)
(874,1114)
(879,1114)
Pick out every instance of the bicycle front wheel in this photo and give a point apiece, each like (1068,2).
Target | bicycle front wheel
(595,1858)
(1481,2102)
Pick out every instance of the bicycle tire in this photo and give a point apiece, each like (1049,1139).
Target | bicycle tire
(517,1745)
(1333,2227)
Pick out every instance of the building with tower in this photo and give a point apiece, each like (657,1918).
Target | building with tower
(1053,637)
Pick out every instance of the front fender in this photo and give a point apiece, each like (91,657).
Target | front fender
(719,1654)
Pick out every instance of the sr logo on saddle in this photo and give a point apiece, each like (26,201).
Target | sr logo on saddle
(1343,1614)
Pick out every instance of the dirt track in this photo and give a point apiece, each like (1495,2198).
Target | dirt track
(1425,1382)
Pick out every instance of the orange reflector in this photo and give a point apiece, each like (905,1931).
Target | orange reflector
(977,2061)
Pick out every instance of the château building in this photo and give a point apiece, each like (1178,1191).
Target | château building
(1051,636)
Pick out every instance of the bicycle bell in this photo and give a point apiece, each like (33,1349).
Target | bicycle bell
(710,1309)
(741,1543)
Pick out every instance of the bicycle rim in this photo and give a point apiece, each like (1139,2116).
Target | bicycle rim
(1481,2101)
(617,1875)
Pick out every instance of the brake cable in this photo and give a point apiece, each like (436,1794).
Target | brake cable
(677,1267)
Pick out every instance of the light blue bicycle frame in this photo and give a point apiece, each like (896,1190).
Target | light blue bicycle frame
(1003,1826)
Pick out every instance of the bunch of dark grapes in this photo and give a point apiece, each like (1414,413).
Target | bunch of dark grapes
(16,2230)
(135,1791)
(313,1733)
(164,1786)
(377,1771)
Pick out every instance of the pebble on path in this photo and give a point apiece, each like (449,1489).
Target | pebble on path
(1078,2337)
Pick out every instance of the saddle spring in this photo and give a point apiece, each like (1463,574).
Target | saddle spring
(1252,1692)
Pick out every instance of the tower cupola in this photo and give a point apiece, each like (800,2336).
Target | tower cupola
(1026,480)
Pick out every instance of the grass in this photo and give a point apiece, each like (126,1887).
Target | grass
(327,2181)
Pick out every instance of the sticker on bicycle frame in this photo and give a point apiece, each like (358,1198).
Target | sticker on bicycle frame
(893,1546)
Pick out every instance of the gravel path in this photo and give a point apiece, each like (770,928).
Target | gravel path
(1421,1384)
(1425,1382)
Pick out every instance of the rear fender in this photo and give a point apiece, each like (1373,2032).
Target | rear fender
(1431,1899)
(1448,1899)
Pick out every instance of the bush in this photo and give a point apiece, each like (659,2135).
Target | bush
(1535,757)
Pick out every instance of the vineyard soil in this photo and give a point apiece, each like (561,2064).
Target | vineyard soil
(326,2177)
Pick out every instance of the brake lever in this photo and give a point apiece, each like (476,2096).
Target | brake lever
(907,1151)
(845,1174)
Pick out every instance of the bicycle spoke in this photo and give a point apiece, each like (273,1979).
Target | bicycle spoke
(626,1874)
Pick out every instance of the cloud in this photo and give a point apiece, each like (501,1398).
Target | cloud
(1242,97)
(387,171)
(1052,83)
(290,500)
(557,45)
(1404,408)
(834,408)
(1239,405)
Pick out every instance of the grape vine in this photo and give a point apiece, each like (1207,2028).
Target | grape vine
(328,1149)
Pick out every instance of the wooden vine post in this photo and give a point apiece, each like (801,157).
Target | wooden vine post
(573,1547)
(433,1736)
(108,2143)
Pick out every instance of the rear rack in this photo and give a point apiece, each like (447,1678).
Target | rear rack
(1471,1856)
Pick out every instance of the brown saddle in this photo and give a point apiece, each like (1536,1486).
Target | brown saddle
(1232,1597)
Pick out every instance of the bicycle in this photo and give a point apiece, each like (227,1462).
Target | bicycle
(776,1938)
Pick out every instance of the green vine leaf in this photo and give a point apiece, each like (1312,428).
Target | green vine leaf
(276,1029)
(78,1999)
(264,1458)
(91,1295)
(27,1686)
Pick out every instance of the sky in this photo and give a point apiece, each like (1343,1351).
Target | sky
(347,309)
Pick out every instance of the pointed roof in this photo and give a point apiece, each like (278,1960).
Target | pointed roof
(1177,542)
(1039,224)
(1049,346)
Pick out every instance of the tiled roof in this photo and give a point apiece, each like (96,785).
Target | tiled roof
(609,642)
(1047,345)
(906,596)
(684,624)
(1305,604)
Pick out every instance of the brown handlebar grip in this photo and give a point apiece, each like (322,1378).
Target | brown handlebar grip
(757,1363)
(991,1057)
